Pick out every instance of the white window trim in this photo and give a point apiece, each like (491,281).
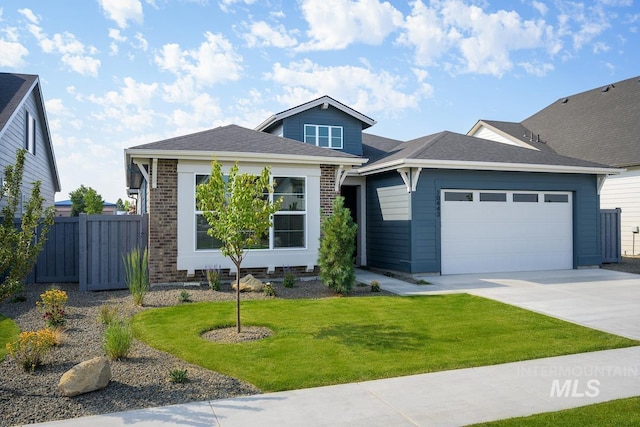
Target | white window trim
(317,138)
(30,133)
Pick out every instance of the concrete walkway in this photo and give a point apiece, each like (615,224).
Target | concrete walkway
(449,398)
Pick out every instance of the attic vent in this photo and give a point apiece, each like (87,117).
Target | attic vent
(564,101)
(605,89)
(324,106)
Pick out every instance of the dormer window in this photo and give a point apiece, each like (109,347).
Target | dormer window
(323,136)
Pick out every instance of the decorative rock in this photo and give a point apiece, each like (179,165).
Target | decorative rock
(86,376)
(250,284)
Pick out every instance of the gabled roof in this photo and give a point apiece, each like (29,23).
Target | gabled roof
(602,124)
(515,132)
(449,150)
(236,143)
(14,91)
(324,102)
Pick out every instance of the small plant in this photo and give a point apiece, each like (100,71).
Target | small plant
(19,297)
(136,274)
(269,290)
(52,307)
(58,335)
(117,340)
(213,277)
(184,296)
(107,313)
(375,286)
(178,376)
(31,348)
(389,274)
(290,278)
(423,282)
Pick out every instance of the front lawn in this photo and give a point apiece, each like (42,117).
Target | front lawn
(622,412)
(9,331)
(339,340)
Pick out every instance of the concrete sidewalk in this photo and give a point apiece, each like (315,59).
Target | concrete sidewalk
(600,299)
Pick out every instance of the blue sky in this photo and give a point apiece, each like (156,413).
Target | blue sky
(118,73)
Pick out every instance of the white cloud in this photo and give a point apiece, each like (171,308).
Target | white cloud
(225,4)
(540,7)
(261,34)
(536,69)
(358,87)
(122,11)
(142,42)
(600,47)
(28,13)
(335,24)
(73,53)
(13,54)
(215,61)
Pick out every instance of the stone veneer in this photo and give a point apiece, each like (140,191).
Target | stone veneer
(163,223)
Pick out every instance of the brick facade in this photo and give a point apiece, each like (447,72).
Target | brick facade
(327,189)
(163,224)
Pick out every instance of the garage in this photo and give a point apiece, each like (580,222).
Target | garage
(497,231)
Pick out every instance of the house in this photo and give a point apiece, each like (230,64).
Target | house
(63,208)
(600,125)
(445,203)
(23,124)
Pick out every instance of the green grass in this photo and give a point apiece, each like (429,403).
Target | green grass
(9,331)
(623,412)
(340,340)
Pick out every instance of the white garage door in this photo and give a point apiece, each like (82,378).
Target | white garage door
(492,231)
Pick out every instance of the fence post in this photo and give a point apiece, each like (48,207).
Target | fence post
(82,252)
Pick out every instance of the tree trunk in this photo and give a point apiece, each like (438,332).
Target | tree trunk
(238,298)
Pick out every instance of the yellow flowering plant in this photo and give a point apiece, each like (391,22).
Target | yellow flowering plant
(52,307)
(31,348)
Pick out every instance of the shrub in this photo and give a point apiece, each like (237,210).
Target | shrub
(52,307)
(19,297)
(31,348)
(290,278)
(213,277)
(178,376)
(269,290)
(184,296)
(107,313)
(375,286)
(337,248)
(58,335)
(117,339)
(136,274)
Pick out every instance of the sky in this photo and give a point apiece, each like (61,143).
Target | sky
(119,73)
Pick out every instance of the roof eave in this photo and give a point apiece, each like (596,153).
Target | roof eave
(493,166)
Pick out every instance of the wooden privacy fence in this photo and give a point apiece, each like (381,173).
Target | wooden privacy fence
(88,249)
(610,236)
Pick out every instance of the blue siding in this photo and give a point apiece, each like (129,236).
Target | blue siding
(293,127)
(417,247)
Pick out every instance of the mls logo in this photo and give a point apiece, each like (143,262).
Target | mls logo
(574,388)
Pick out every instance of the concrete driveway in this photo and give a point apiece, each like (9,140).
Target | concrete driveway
(597,298)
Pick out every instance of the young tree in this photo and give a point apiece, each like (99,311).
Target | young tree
(19,247)
(239,212)
(120,205)
(337,247)
(87,200)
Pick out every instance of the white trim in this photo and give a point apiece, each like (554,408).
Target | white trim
(143,171)
(341,174)
(316,135)
(154,173)
(601,180)
(410,176)
(495,166)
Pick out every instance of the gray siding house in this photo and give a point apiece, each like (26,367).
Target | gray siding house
(599,125)
(23,124)
(445,203)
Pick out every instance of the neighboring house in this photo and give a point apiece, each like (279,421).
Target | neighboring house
(600,125)
(444,203)
(63,208)
(23,124)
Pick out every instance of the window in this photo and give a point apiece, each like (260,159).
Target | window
(556,198)
(203,240)
(289,222)
(493,197)
(323,136)
(30,134)
(451,196)
(525,198)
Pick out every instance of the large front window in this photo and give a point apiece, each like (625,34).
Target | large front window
(289,223)
(323,136)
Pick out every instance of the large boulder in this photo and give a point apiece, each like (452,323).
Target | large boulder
(86,376)
(249,283)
